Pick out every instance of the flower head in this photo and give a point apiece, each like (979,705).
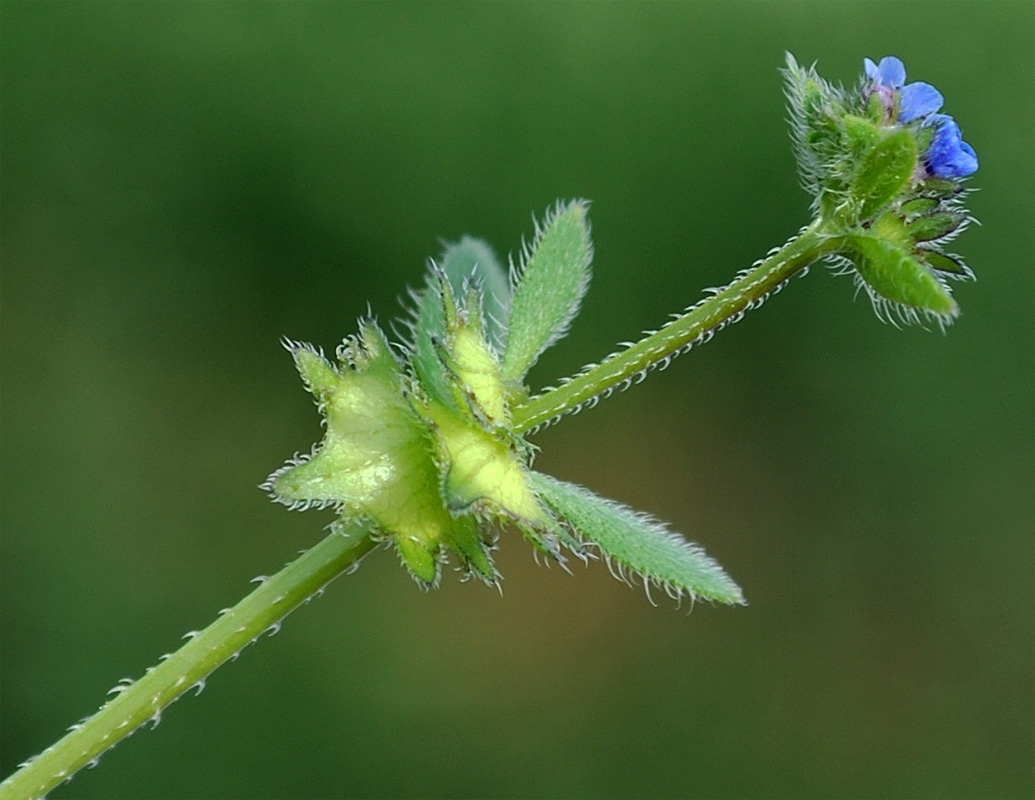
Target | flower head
(884,168)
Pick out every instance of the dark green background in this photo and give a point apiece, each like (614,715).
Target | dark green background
(185,183)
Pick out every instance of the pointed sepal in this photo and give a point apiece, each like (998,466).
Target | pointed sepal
(950,265)
(320,377)
(467,266)
(935,226)
(472,263)
(471,364)
(482,471)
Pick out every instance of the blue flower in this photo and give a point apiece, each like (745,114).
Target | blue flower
(949,156)
(917,99)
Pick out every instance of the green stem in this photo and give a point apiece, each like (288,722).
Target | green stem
(187,668)
(696,324)
(265,607)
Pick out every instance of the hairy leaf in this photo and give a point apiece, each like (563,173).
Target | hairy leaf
(894,275)
(638,543)
(884,172)
(550,285)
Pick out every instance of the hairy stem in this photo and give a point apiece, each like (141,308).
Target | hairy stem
(263,609)
(187,668)
(697,324)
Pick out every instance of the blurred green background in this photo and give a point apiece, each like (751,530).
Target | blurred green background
(183,183)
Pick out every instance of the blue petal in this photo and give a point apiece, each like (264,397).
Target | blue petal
(970,159)
(919,100)
(949,156)
(871,69)
(892,72)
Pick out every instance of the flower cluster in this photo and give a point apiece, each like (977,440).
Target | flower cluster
(885,169)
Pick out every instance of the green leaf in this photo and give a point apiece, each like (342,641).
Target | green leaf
(896,276)
(550,285)
(637,542)
(862,134)
(884,172)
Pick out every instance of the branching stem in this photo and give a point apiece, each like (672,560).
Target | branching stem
(700,321)
(263,609)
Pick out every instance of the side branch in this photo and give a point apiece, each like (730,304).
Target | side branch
(696,325)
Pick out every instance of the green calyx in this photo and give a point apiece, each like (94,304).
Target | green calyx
(430,477)
(420,443)
(375,461)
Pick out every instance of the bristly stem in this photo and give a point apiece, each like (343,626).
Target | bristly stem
(748,290)
(144,700)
